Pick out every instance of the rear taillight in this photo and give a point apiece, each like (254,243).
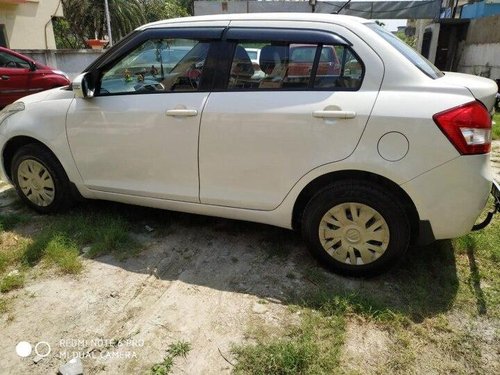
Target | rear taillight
(468,127)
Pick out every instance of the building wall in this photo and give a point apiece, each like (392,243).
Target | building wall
(481,50)
(28,24)
(481,9)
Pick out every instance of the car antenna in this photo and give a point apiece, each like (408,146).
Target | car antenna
(343,6)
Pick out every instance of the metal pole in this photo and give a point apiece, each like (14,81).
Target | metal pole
(108,22)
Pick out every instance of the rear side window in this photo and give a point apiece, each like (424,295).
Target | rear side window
(413,56)
(294,66)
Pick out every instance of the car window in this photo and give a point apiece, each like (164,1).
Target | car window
(413,56)
(10,61)
(290,66)
(158,65)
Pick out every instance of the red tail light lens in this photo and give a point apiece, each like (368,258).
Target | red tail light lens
(468,127)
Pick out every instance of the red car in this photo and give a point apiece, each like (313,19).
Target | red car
(21,76)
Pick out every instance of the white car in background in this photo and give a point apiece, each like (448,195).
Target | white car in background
(365,159)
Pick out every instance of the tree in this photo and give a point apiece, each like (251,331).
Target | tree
(86,18)
(155,10)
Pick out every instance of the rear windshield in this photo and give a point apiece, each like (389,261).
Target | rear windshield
(415,58)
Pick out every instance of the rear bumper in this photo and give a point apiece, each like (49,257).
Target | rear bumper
(451,197)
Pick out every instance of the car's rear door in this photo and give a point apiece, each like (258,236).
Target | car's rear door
(262,132)
(139,135)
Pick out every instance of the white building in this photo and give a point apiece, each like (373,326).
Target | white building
(26,24)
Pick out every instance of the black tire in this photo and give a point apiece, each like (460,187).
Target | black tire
(392,237)
(61,197)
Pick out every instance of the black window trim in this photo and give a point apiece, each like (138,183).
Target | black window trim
(221,52)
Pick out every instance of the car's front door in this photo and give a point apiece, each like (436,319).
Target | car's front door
(139,134)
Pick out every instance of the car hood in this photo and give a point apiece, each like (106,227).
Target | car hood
(483,89)
(52,94)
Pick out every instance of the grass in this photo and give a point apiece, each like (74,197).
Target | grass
(496,126)
(58,243)
(11,282)
(415,305)
(313,347)
(177,349)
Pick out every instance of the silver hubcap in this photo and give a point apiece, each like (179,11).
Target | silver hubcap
(36,183)
(354,233)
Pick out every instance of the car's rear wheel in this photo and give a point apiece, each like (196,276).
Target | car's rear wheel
(356,228)
(40,179)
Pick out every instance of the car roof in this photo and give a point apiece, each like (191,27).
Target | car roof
(282,16)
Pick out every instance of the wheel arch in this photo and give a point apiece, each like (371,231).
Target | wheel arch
(13,145)
(316,185)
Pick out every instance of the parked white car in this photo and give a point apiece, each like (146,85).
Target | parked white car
(364,159)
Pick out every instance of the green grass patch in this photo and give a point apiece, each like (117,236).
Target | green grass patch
(313,347)
(177,349)
(59,242)
(11,282)
(496,126)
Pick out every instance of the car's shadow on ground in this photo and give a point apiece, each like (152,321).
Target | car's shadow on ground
(273,263)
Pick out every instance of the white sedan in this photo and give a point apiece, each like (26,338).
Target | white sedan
(361,144)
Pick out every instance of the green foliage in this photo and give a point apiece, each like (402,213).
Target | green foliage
(65,36)
(179,348)
(85,19)
(496,126)
(11,282)
(155,10)
(410,40)
(314,347)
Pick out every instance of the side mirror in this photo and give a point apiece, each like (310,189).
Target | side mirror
(33,66)
(81,86)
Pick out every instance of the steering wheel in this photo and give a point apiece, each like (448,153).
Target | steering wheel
(11,64)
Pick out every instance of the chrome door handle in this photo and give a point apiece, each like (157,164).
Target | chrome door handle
(5,78)
(182,112)
(334,114)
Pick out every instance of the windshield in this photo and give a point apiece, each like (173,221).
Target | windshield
(415,58)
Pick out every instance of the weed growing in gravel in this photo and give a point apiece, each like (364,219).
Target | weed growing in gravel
(177,349)
(313,347)
(11,282)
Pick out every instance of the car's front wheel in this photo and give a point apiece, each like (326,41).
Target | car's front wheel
(356,228)
(40,179)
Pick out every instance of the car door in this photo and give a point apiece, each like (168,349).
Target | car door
(139,134)
(263,131)
(14,73)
